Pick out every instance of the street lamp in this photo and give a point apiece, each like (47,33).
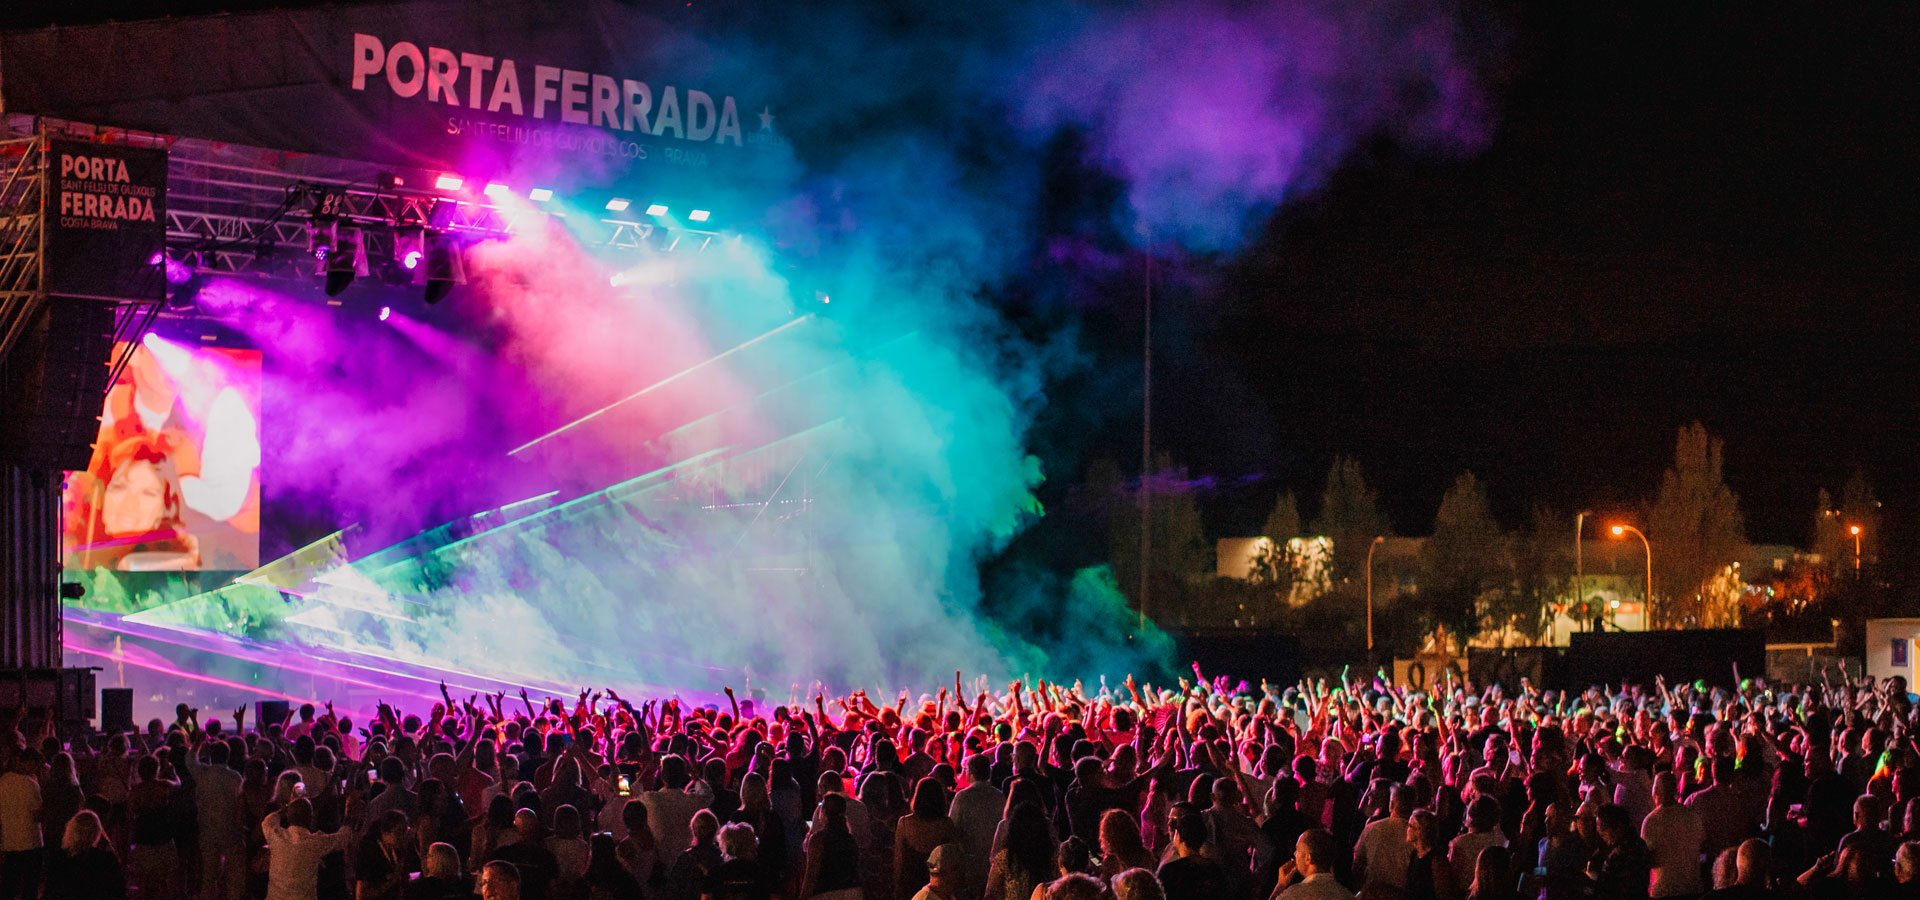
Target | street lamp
(1619,530)
(1579,571)
(1370,548)
(1855,531)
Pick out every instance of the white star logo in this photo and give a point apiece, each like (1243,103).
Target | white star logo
(766,119)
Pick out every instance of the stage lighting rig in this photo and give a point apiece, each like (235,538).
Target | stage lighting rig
(443,268)
(349,259)
(409,246)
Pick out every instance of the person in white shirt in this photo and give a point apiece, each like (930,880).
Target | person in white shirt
(1313,858)
(976,812)
(1483,831)
(1632,785)
(1382,853)
(670,810)
(295,851)
(1673,834)
(944,871)
(223,838)
(20,826)
(857,820)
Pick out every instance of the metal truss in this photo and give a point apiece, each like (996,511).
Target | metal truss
(246,211)
(22,188)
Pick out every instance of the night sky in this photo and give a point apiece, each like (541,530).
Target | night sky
(1688,211)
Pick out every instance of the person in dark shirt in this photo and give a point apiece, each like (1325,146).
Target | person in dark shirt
(84,866)
(530,856)
(726,801)
(1189,875)
(1283,826)
(386,858)
(739,875)
(1623,868)
(1752,862)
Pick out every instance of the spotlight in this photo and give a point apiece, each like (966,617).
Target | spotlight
(72,590)
(540,195)
(657,210)
(348,260)
(443,269)
(184,296)
(496,190)
(617,204)
(322,237)
(387,181)
(448,182)
(179,270)
(699,215)
(409,247)
(385,311)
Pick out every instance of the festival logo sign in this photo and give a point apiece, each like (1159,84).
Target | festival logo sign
(597,91)
(106,220)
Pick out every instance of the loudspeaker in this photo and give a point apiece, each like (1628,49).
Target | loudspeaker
(116,710)
(268,712)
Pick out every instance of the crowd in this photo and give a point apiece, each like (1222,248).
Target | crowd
(1195,791)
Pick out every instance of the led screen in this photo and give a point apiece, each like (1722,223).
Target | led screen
(174,482)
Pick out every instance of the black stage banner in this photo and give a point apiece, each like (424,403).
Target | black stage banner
(523,88)
(106,220)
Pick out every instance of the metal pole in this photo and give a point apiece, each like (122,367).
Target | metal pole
(1648,546)
(1146,448)
(1579,569)
(1377,541)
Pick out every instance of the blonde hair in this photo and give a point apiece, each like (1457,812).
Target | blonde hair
(83,833)
(737,841)
(442,861)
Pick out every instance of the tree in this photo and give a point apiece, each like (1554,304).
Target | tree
(1463,561)
(1275,568)
(1350,515)
(1283,523)
(1695,528)
(1858,507)
(1541,562)
(1179,552)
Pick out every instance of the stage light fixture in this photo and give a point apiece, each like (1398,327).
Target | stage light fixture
(540,195)
(177,268)
(409,246)
(349,260)
(385,311)
(443,270)
(449,182)
(442,213)
(657,209)
(496,190)
(617,204)
(699,215)
(322,237)
(185,295)
(387,181)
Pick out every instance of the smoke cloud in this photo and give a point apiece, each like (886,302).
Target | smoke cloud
(835,425)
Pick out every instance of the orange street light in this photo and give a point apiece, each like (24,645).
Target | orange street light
(1855,531)
(1622,530)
